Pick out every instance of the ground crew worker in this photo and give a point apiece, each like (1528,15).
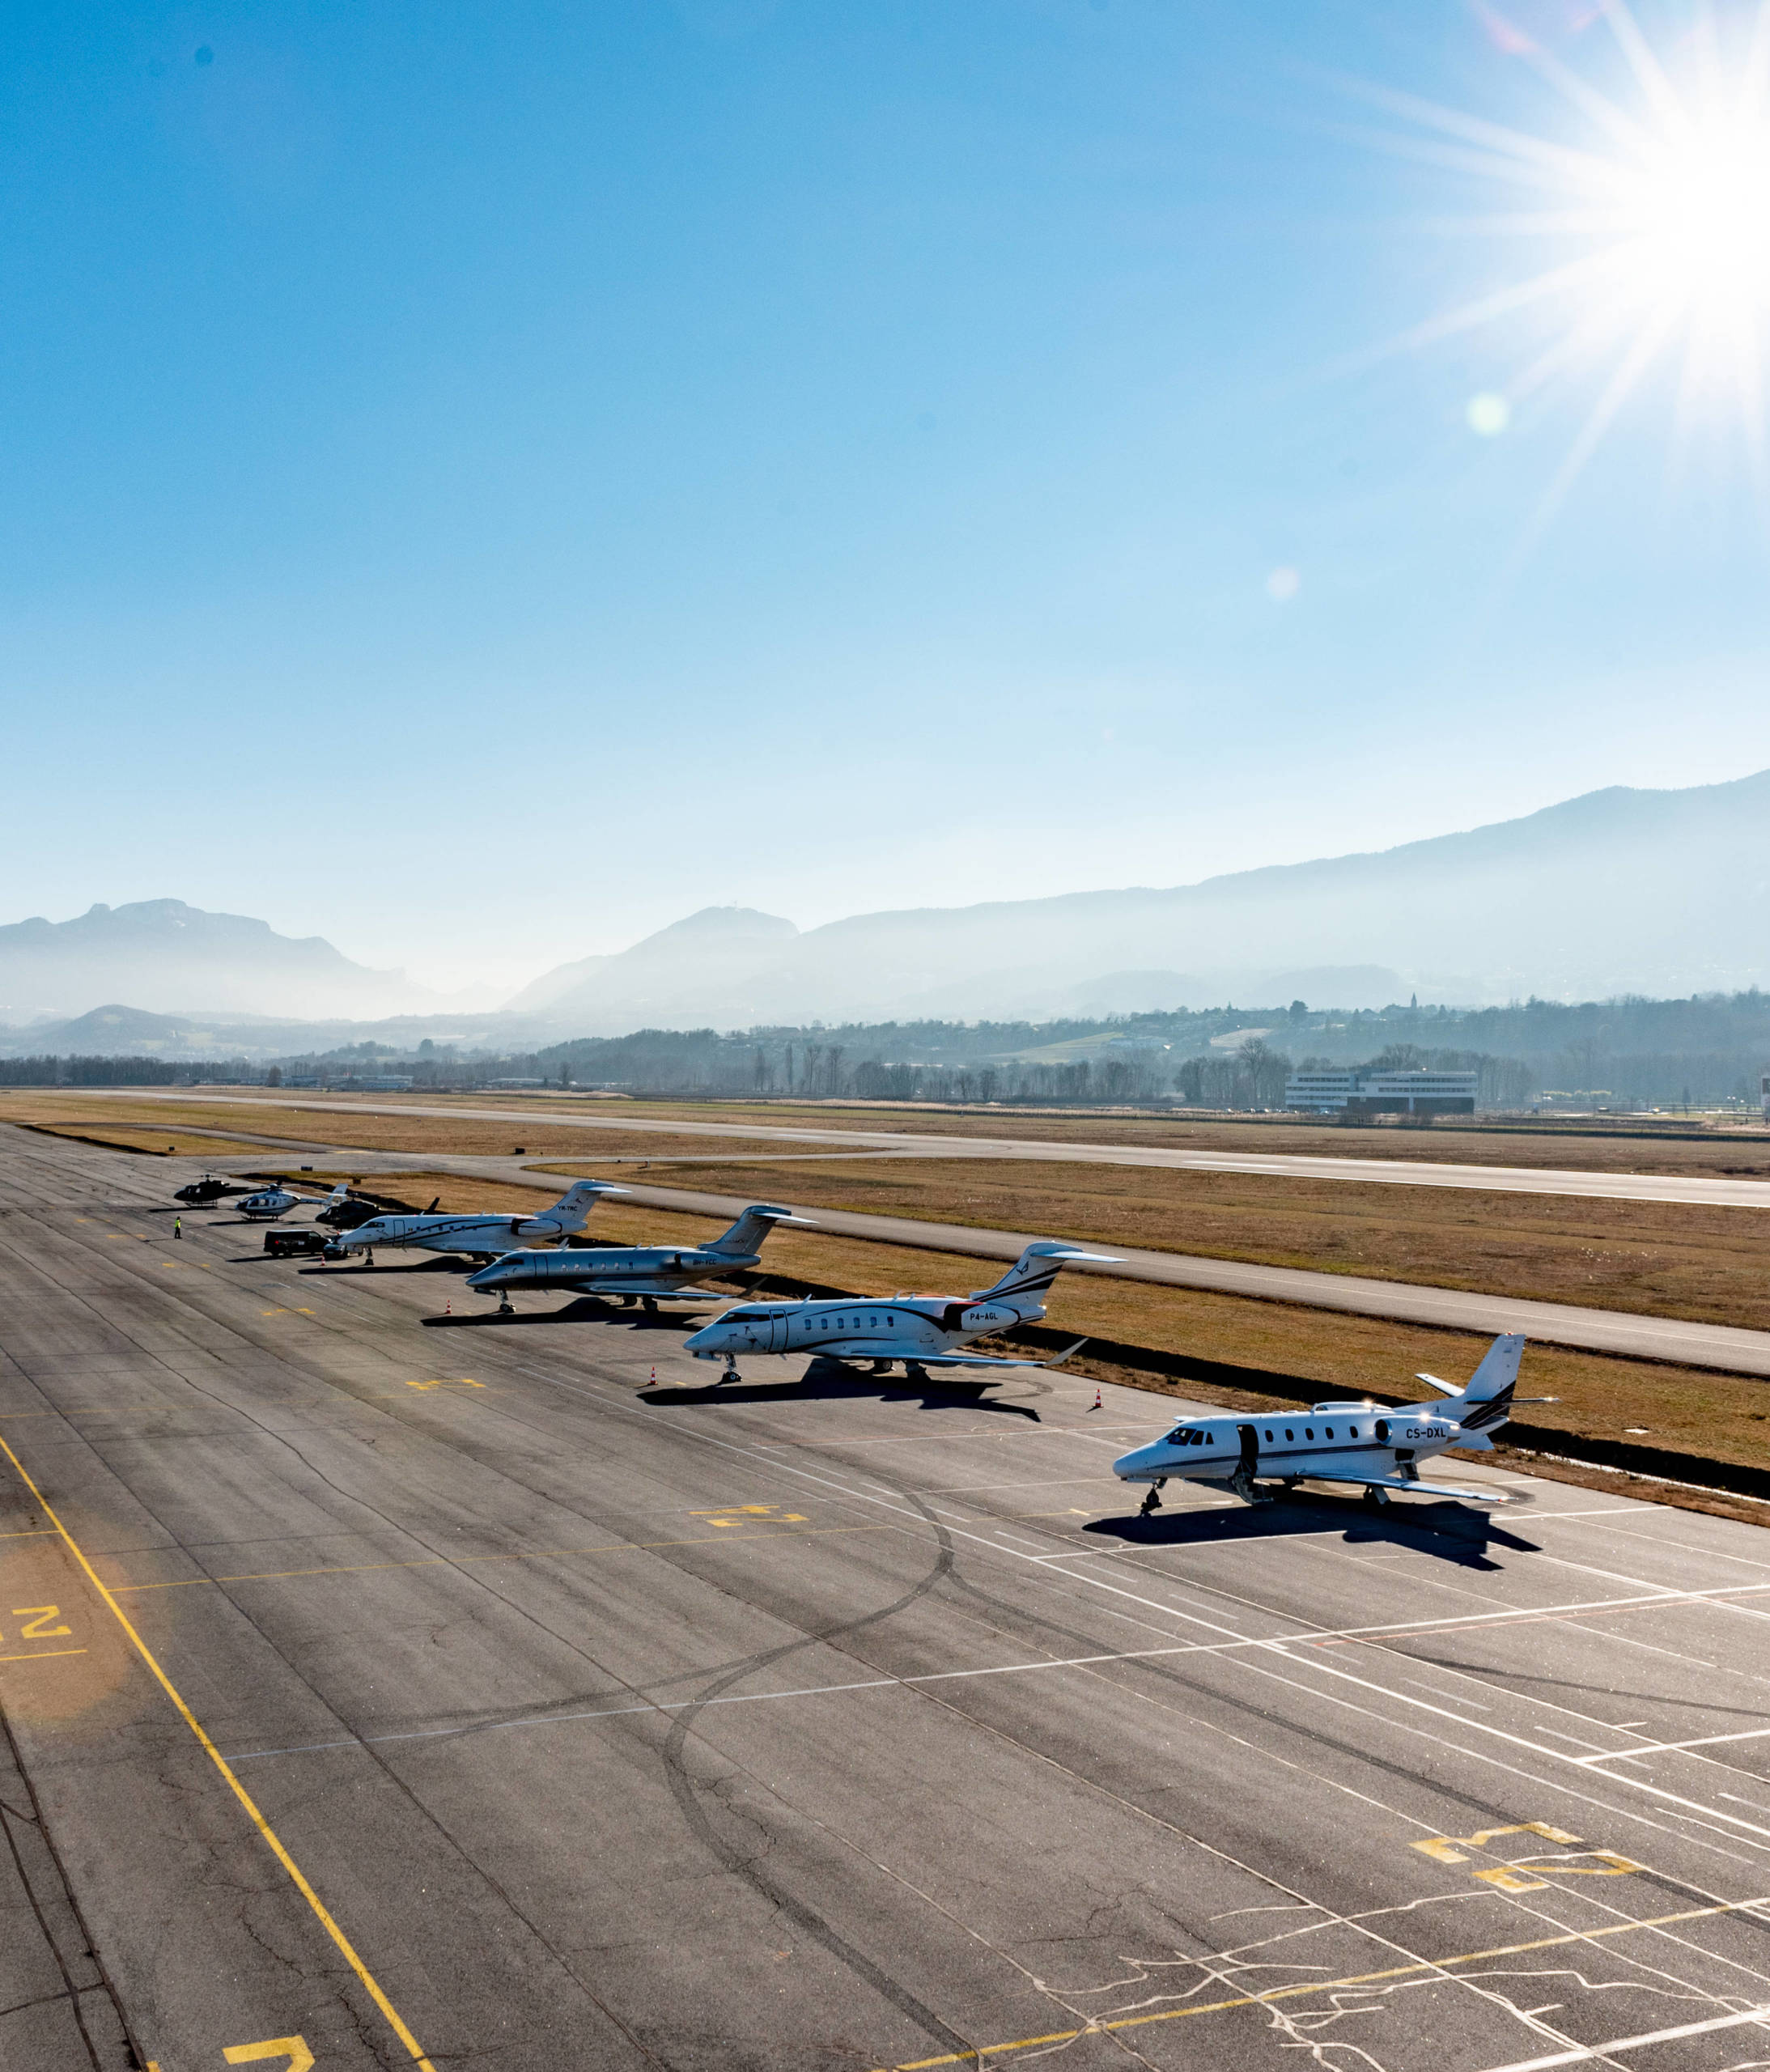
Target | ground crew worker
(178,1226)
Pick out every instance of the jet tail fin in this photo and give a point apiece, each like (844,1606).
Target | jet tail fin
(576,1203)
(744,1240)
(1036,1268)
(1486,1401)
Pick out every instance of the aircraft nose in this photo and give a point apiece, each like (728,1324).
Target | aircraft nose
(1129,1465)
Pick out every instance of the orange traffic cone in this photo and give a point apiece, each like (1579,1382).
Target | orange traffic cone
(1096,1404)
(448,1307)
(653,1381)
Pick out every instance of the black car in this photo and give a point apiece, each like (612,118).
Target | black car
(293,1243)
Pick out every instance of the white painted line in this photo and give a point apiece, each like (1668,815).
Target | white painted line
(1673,1747)
(1585,2052)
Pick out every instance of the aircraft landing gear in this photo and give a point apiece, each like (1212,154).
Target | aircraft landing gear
(730,1373)
(913,1371)
(1241,1482)
(369,1255)
(504,1308)
(1152,1501)
(648,1304)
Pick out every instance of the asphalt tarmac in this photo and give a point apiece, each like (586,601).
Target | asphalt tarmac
(385,1687)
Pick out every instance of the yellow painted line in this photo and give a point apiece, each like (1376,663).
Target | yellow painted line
(42,1654)
(464,1560)
(1320,1985)
(38,1532)
(341,1940)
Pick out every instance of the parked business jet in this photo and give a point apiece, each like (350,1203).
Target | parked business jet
(636,1273)
(480,1236)
(920,1331)
(1356,1442)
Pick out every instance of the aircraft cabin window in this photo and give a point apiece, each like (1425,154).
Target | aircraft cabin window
(1269,1438)
(1352,1431)
(1288,1432)
(1309,1431)
(1328,1431)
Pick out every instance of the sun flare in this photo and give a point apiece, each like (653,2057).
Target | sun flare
(1654,217)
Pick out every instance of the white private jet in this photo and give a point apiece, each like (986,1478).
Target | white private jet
(636,1273)
(920,1330)
(1355,1442)
(481,1237)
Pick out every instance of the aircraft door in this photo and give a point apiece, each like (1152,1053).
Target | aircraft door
(1250,1447)
(777,1329)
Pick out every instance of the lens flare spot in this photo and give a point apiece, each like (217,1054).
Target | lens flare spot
(1283,585)
(1489,414)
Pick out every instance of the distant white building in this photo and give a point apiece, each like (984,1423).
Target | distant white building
(1364,1093)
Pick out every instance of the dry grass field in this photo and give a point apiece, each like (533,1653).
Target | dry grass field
(1653,1259)
(1648,1258)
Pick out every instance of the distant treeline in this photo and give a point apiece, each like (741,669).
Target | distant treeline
(124,1072)
(1703,1052)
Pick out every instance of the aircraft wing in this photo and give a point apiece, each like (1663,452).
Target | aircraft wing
(665,1290)
(970,1359)
(1401,1483)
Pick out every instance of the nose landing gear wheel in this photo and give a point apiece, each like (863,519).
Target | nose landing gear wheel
(504,1308)
(1152,1502)
(730,1373)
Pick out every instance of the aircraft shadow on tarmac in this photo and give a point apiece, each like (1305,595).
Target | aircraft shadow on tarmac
(584,1309)
(1458,1533)
(828,1381)
(434,1264)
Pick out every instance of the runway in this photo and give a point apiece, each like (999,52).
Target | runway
(1416,1170)
(390,1688)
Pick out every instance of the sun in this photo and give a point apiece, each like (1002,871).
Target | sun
(1652,210)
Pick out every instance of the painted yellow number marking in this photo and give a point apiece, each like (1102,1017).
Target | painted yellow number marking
(295,2048)
(734,1514)
(286,1313)
(1524,1875)
(464,1382)
(40,1615)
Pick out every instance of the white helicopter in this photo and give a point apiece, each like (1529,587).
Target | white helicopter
(481,1237)
(1355,1442)
(269,1203)
(636,1273)
(920,1330)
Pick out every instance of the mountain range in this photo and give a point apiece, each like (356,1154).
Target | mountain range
(1660,893)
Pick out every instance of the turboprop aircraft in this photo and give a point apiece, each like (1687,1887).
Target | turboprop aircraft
(920,1331)
(481,1237)
(1355,1442)
(636,1273)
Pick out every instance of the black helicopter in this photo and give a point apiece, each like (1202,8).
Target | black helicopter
(205,1192)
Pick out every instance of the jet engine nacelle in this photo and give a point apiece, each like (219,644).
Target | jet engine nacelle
(987,1316)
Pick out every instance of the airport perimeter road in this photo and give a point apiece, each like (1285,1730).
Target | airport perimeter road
(1727,1192)
(392,1688)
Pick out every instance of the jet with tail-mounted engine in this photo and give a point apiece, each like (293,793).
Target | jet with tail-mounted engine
(1361,1443)
(480,1236)
(636,1273)
(918,1331)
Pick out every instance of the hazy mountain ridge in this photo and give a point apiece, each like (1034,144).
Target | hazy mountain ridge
(167,958)
(1620,891)
(1617,891)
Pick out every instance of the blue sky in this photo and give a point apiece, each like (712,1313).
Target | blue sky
(482,483)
